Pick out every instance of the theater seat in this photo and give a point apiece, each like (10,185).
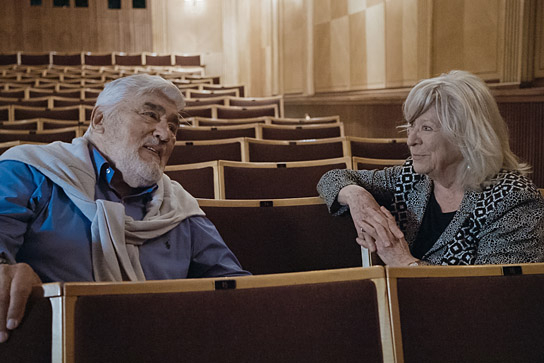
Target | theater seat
(325,316)
(487,313)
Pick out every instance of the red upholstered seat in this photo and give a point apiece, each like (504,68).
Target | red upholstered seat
(300,132)
(468,314)
(274,180)
(199,179)
(188,152)
(214,133)
(31,341)
(379,148)
(289,235)
(281,151)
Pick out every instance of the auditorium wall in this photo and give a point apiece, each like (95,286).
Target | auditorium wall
(301,47)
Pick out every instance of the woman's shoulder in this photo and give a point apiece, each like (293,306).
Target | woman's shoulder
(510,185)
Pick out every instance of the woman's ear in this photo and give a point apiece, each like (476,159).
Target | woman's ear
(97,120)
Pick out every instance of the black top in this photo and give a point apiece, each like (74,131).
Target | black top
(433,224)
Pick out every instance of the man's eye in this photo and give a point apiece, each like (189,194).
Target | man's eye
(427,128)
(173,127)
(151,114)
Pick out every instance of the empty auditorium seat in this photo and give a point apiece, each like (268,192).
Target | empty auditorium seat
(5,113)
(304,120)
(301,132)
(201,111)
(8,59)
(66,59)
(371,164)
(65,134)
(122,59)
(201,180)
(468,313)
(235,112)
(188,152)
(31,342)
(216,132)
(250,180)
(284,235)
(239,89)
(282,150)
(28,59)
(258,101)
(320,316)
(72,113)
(158,60)
(92,59)
(206,121)
(379,148)
(194,93)
(191,102)
(187,60)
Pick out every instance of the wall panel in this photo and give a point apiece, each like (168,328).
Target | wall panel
(292,44)
(96,28)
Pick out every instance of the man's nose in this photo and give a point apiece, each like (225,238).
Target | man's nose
(162,131)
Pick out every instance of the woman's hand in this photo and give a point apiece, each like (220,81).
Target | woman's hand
(376,227)
(390,243)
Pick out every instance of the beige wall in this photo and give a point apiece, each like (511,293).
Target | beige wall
(302,46)
(96,28)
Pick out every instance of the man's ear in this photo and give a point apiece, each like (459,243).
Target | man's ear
(97,120)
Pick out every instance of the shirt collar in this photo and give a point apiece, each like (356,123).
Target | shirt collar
(104,172)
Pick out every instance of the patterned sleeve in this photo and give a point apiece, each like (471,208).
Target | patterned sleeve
(380,183)
(516,232)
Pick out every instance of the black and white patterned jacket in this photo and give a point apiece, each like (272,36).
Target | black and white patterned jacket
(504,223)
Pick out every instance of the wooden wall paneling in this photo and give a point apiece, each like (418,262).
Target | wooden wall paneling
(340,50)
(292,43)
(364,119)
(448,42)
(375,45)
(322,45)
(142,38)
(410,39)
(511,68)
(483,24)
(394,43)
(11,31)
(424,38)
(539,42)
(524,121)
(34,26)
(357,46)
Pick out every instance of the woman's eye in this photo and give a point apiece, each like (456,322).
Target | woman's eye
(427,128)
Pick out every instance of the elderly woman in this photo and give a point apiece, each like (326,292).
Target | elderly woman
(462,198)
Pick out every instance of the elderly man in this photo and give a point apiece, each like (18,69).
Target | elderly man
(100,208)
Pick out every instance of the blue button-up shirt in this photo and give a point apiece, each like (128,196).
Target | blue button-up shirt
(41,226)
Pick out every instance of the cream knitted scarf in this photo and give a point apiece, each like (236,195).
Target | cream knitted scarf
(115,236)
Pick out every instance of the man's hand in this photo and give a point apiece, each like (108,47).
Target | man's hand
(16,283)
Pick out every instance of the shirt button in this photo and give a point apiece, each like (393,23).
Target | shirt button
(108,170)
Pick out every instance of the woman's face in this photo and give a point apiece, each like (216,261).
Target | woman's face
(432,152)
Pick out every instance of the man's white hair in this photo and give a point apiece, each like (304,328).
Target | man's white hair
(137,85)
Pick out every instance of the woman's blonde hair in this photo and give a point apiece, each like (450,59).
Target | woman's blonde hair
(470,118)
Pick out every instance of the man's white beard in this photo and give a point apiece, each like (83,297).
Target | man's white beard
(136,172)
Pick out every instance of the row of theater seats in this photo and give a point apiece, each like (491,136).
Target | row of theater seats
(412,315)
(89,59)
(26,117)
